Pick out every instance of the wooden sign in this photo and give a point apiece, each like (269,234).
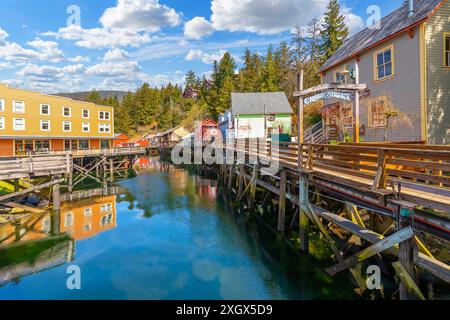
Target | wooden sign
(329,95)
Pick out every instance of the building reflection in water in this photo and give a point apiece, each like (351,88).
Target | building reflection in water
(32,243)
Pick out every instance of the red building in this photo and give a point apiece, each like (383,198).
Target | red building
(137,142)
(120,139)
(208,131)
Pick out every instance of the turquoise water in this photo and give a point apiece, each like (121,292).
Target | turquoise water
(166,236)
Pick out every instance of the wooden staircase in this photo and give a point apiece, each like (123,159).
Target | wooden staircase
(315,134)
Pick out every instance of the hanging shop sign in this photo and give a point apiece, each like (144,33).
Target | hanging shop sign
(329,95)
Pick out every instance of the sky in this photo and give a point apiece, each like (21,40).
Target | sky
(77,45)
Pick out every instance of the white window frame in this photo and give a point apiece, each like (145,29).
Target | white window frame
(104,126)
(104,115)
(14,106)
(49,110)
(88,127)
(88,212)
(88,112)
(70,112)
(2,105)
(24,124)
(2,123)
(49,125)
(63,126)
(107,207)
(69,220)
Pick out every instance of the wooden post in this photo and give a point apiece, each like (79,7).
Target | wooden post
(304,221)
(56,198)
(252,198)
(230,178)
(407,250)
(105,182)
(241,180)
(300,124)
(282,202)
(111,170)
(16,185)
(356,106)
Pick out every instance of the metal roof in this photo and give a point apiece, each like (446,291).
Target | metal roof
(395,22)
(260,103)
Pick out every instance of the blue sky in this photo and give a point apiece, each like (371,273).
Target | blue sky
(121,44)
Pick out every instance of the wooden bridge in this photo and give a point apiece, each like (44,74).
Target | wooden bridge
(405,185)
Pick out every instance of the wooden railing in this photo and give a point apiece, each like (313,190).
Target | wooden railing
(35,166)
(95,152)
(422,169)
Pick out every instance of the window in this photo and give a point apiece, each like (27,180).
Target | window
(68,221)
(45,109)
(106,207)
(377,114)
(83,145)
(104,115)
(384,63)
(340,78)
(45,125)
(104,128)
(2,123)
(85,114)
(18,106)
(19,124)
(42,145)
(23,147)
(2,105)
(347,116)
(67,111)
(447,50)
(86,127)
(88,212)
(67,126)
(87,228)
(67,145)
(106,220)
(104,144)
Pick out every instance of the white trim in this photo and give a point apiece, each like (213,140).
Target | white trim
(88,127)
(14,124)
(14,106)
(2,123)
(70,112)
(49,125)
(63,126)
(49,109)
(88,116)
(104,126)
(2,105)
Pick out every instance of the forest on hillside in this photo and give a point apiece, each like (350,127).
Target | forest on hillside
(158,109)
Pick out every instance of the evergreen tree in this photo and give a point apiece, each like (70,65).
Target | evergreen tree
(334,30)
(94,97)
(269,81)
(192,81)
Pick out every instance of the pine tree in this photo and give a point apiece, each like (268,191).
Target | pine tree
(334,30)
(94,97)
(192,81)
(269,81)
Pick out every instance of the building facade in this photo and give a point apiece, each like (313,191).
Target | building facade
(406,67)
(32,122)
(259,115)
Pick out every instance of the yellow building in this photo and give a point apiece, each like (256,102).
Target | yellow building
(32,122)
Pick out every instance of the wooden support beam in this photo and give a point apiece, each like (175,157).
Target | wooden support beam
(241,180)
(380,178)
(282,202)
(304,222)
(29,190)
(230,178)
(56,198)
(253,184)
(111,170)
(377,248)
(406,279)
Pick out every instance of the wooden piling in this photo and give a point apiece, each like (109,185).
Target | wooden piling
(304,221)
(230,178)
(56,198)
(111,170)
(241,180)
(252,198)
(282,202)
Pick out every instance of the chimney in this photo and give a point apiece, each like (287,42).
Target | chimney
(411,8)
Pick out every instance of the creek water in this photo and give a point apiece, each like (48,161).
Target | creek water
(165,234)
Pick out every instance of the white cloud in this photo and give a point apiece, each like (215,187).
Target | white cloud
(197,28)
(3,36)
(204,57)
(79,59)
(48,50)
(98,38)
(264,16)
(140,15)
(354,22)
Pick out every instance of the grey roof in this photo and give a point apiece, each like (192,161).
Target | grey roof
(393,23)
(260,103)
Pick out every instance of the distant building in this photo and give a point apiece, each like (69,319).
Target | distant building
(191,93)
(137,142)
(207,131)
(32,122)
(170,138)
(120,139)
(259,115)
(406,66)
(226,126)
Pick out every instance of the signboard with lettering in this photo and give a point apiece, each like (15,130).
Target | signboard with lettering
(329,95)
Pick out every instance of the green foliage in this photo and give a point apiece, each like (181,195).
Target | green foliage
(334,30)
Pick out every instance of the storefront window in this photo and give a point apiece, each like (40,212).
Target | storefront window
(42,146)
(83,145)
(105,144)
(67,145)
